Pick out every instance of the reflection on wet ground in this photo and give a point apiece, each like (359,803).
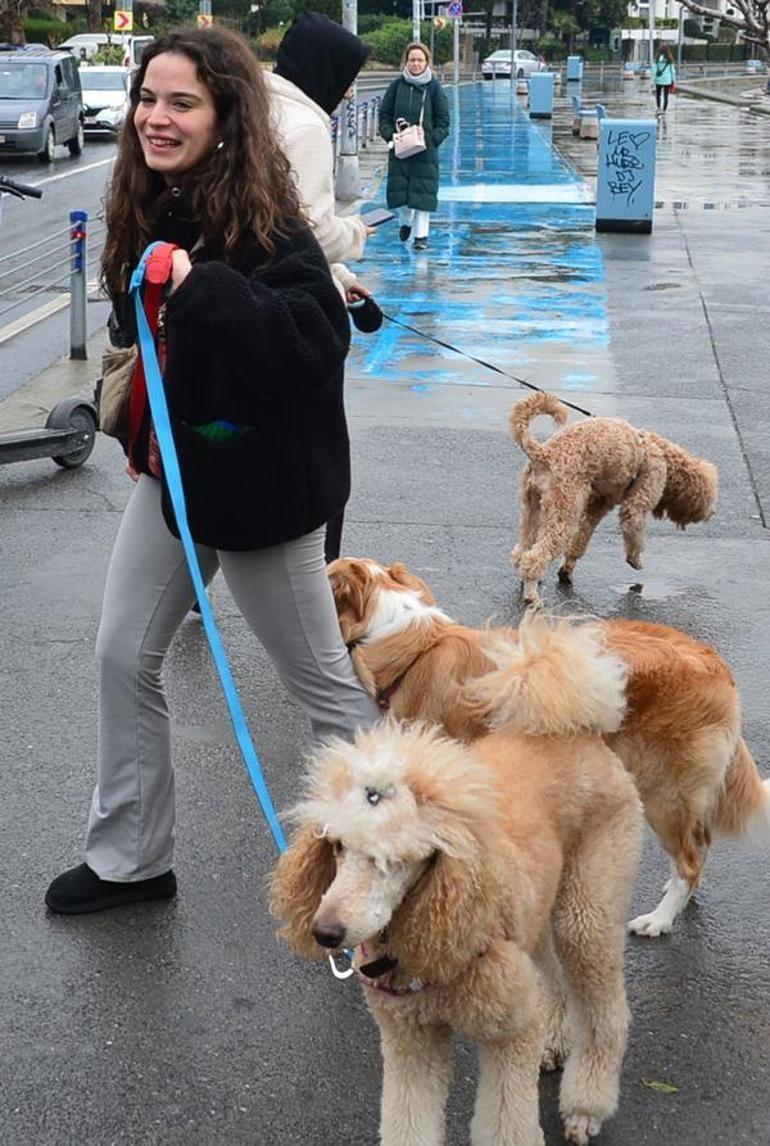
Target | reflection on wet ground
(513,275)
(702,146)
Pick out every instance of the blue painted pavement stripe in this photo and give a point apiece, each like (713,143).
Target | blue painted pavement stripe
(513,274)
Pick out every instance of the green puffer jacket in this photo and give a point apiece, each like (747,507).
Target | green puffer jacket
(413,182)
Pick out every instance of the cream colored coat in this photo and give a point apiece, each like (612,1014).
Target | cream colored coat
(305,131)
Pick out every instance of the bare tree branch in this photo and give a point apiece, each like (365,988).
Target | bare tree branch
(751,17)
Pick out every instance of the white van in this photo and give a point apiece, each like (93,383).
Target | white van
(134,46)
(87,44)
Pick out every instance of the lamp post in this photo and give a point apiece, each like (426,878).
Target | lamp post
(514,15)
(679,40)
(348,185)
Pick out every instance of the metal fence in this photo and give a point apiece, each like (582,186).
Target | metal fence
(367,122)
(63,264)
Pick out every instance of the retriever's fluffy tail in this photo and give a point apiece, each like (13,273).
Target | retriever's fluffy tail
(744,802)
(525,411)
(555,678)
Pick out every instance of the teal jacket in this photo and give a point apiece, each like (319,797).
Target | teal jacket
(663,72)
(413,182)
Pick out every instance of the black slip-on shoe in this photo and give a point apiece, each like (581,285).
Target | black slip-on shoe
(420,244)
(80,890)
(404,232)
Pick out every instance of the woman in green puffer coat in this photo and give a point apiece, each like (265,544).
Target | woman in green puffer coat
(413,182)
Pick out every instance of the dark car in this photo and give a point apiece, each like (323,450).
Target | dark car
(41,104)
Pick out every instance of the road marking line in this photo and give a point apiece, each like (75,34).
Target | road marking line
(74,171)
(34,316)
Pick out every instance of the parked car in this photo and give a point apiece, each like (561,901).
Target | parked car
(498,65)
(105,97)
(41,103)
(87,44)
(134,46)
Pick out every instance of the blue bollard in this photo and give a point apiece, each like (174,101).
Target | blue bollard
(541,95)
(625,177)
(574,68)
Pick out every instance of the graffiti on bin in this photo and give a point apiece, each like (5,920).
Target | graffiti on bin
(626,161)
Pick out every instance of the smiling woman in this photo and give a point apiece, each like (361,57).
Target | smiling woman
(253,342)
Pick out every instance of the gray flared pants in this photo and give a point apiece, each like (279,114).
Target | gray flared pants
(285,597)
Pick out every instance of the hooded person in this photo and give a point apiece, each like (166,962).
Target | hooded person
(317,62)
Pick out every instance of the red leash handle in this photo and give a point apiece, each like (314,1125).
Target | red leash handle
(156,274)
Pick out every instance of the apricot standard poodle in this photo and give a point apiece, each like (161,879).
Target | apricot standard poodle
(484,889)
(581,473)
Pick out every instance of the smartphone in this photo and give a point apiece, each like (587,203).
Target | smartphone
(377,216)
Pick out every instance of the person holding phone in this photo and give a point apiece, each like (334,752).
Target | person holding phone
(415,96)
(316,66)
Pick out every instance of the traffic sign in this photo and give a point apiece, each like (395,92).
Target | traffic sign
(205,19)
(124,20)
(454,9)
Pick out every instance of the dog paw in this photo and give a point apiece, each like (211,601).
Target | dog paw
(635,561)
(650,926)
(565,575)
(579,1128)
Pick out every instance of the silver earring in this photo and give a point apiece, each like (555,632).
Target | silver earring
(220,145)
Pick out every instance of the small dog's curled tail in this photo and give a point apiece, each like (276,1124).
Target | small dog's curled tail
(554,678)
(525,411)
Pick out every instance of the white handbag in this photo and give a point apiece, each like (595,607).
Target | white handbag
(409,138)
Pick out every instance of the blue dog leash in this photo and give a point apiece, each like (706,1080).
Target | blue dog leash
(160,417)
(162,424)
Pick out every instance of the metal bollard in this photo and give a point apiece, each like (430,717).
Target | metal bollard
(78,271)
(364,132)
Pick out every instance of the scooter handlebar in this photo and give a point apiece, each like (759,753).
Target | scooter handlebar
(19,189)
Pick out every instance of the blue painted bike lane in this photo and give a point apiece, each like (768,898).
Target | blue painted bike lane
(513,275)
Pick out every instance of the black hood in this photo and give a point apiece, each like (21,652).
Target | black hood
(321,58)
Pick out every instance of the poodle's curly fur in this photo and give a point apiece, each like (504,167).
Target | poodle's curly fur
(581,473)
(485,889)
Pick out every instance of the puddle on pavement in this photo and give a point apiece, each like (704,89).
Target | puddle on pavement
(655,589)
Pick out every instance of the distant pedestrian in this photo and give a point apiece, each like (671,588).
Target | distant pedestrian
(316,66)
(254,341)
(663,78)
(415,96)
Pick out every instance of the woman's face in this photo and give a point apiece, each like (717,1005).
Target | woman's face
(416,62)
(175,118)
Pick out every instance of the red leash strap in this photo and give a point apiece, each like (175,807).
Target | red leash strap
(157,274)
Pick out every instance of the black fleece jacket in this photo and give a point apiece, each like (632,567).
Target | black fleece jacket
(259,342)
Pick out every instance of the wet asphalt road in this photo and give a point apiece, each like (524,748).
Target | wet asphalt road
(187,1023)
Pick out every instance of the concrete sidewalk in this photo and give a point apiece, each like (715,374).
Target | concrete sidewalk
(187,1023)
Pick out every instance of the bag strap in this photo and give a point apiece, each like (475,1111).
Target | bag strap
(422,105)
(155,262)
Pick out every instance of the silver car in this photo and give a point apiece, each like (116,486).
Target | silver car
(498,65)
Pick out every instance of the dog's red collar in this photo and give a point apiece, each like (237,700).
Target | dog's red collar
(384,695)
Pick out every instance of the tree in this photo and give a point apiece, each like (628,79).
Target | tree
(750,17)
(13,15)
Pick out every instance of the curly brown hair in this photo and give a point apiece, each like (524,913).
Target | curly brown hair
(246,185)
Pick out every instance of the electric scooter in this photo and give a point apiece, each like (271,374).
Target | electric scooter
(70,429)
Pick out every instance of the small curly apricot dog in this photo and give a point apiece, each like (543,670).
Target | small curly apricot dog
(575,478)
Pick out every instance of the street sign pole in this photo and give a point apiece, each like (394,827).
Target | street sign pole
(456,53)
(348,182)
(415,19)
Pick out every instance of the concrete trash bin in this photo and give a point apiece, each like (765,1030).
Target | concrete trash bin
(574,67)
(625,176)
(541,95)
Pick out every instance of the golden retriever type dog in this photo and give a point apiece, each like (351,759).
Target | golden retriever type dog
(575,478)
(681,739)
(484,889)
